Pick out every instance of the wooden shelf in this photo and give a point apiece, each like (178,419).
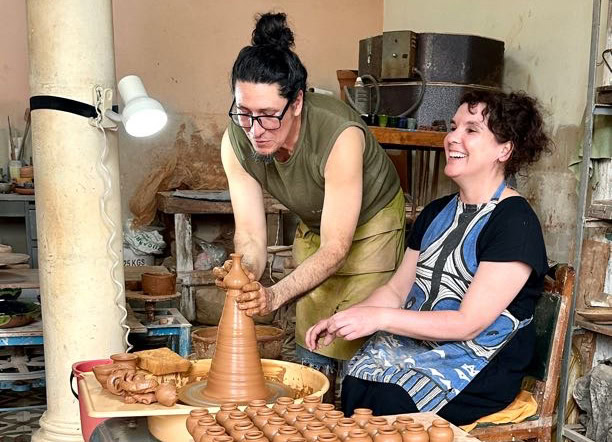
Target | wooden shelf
(402,138)
(168,203)
(601,209)
(597,328)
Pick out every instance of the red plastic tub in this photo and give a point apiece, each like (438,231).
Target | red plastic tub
(88,424)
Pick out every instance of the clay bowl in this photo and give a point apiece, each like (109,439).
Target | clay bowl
(103,371)
(269,341)
(158,284)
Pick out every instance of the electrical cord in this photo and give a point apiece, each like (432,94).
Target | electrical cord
(376,88)
(112,227)
(421,94)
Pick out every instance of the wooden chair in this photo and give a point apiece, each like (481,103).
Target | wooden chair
(551,320)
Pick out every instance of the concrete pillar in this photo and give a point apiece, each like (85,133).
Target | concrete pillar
(71,50)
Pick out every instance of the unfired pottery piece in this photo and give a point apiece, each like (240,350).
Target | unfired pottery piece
(331,418)
(262,416)
(240,429)
(254,406)
(388,433)
(440,431)
(125,360)
(103,371)
(415,433)
(272,426)
(328,437)
(302,420)
(280,405)
(158,284)
(401,422)
(344,426)
(194,416)
(313,430)
(235,373)
(255,436)
(212,432)
(224,411)
(285,433)
(321,409)
(373,424)
(234,418)
(166,394)
(361,416)
(310,403)
(203,425)
(358,435)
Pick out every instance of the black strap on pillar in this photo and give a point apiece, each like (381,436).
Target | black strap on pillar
(65,105)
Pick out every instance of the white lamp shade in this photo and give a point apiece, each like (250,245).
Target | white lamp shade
(142,116)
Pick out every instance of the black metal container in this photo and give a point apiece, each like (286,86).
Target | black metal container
(464,59)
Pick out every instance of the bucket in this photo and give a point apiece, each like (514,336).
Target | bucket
(88,424)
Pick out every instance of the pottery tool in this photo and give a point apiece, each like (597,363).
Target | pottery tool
(11,144)
(28,119)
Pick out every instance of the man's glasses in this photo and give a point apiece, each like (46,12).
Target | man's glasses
(268,122)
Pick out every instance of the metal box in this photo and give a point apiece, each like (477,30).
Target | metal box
(370,56)
(398,55)
(464,59)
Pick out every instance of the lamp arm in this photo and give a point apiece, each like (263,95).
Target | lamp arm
(112,115)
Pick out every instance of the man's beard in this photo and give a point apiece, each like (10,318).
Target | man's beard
(259,158)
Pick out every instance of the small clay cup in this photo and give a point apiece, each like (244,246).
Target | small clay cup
(103,371)
(373,424)
(313,430)
(331,419)
(272,426)
(292,411)
(255,436)
(358,435)
(302,420)
(401,422)
(125,360)
(240,429)
(388,433)
(285,433)
(415,433)
(194,416)
(361,416)
(310,403)
(321,409)
(234,418)
(262,416)
(212,432)
(158,284)
(254,406)
(280,406)
(224,412)
(440,431)
(203,425)
(344,426)
(328,437)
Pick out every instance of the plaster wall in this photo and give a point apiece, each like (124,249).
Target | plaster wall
(546,54)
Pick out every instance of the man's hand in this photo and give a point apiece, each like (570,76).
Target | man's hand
(221,272)
(256,299)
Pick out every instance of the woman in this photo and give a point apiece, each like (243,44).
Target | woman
(452,328)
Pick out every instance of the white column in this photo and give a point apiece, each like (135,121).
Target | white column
(71,50)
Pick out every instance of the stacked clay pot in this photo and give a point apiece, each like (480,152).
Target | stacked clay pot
(286,421)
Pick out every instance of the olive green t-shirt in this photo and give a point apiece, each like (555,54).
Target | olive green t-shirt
(299,182)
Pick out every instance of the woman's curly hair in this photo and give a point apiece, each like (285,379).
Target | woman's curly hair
(514,117)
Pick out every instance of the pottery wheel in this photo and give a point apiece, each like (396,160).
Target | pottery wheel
(191,394)
(150,301)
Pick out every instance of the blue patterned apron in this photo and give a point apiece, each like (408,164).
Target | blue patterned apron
(434,373)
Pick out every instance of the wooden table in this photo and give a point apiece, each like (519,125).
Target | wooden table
(418,171)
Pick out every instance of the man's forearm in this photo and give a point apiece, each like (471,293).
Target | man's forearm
(254,254)
(312,272)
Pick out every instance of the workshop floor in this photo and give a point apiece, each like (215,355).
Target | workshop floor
(18,425)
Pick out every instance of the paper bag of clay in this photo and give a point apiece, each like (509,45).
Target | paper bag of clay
(143,241)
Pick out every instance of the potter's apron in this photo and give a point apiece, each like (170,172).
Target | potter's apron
(376,251)
(433,373)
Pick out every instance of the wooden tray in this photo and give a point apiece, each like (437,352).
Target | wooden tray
(598,315)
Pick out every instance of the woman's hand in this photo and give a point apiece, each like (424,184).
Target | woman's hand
(350,324)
